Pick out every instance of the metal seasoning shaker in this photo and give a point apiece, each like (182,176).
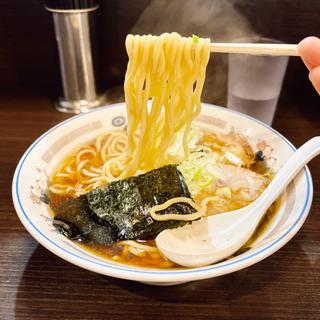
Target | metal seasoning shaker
(71,23)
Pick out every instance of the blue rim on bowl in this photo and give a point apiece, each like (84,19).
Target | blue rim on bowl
(153,275)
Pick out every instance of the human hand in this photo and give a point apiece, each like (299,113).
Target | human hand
(309,50)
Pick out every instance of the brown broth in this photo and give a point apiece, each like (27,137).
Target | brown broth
(117,253)
(120,253)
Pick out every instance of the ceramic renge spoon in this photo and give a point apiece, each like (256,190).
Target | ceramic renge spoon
(216,237)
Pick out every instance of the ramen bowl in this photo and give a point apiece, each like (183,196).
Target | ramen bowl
(42,157)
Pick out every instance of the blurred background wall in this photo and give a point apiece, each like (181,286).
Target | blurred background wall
(29,63)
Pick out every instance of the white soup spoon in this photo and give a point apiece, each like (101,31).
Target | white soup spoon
(217,237)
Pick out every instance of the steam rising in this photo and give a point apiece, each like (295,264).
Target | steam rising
(216,19)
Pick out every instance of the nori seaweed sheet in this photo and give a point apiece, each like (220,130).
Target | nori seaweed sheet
(78,222)
(120,210)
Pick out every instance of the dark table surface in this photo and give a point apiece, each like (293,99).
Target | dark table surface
(36,284)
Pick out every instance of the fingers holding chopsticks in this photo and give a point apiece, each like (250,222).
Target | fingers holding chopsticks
(309,50)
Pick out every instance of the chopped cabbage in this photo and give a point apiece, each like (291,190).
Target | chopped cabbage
(195,172)
(204,166)
(233,158)
(175,151)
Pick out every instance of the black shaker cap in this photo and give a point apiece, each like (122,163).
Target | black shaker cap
(71,4)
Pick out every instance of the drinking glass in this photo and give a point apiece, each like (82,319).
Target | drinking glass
(254,82)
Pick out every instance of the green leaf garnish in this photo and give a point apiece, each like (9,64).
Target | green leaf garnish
(195,38)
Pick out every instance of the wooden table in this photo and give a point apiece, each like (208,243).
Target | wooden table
(35,284)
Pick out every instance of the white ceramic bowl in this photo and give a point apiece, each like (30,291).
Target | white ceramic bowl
(30,180)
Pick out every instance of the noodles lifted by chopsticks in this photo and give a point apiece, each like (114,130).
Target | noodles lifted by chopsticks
(163,85)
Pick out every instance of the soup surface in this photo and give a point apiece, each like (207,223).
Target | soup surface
(245,177)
